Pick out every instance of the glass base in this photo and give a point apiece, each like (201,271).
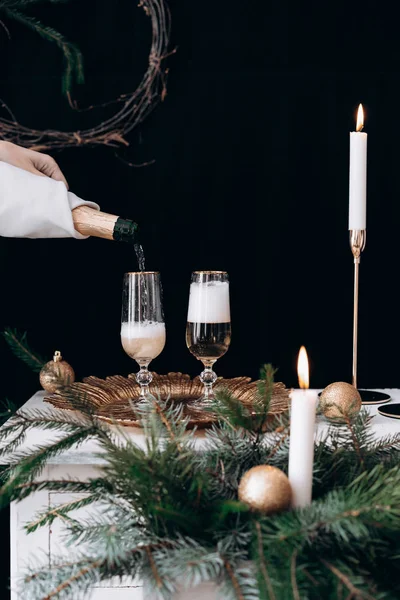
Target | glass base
(208,377)
(144,378)
(204,400)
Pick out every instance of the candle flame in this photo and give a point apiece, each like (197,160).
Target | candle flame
(302,369)
(360,118)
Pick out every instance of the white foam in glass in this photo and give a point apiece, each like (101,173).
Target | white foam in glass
(209,302)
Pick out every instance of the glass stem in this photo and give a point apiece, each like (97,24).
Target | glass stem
(208,377)
(144,378)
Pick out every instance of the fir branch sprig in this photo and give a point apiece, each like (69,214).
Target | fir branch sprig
(14,432)
(26,465)
(73,579)
(370,503)
(262,400)
(72,56)
(103,523)
(348,450)
(170,513)
(253,418)
(93,487)
(62,579)
(61,511)
(44,419)
(20,347)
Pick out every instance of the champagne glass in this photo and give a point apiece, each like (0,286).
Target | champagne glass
(208,329)
(142,327)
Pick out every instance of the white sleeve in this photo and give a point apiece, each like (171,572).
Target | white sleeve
(36,207)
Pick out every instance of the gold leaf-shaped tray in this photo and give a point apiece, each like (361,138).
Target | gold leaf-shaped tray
(113,399)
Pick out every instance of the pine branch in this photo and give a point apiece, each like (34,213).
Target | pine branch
(354,592)
(282,437)
(161,420)
(13,444)
(60,511)
(356,434)
(295,588)
(232,577)
(227,409)
(265,389)
(26,465)
(356,443)
(188,562)
(262,565)
(46,420)
(93,486)
(19,346)
(129,109)
(154,568)
(167,422)
(346,452)
(72,56)
(250,418)
(75,576)
(70,579)
(171,513)
(370,503)
(116,526)
(69,582)
(238,576)
(13,433)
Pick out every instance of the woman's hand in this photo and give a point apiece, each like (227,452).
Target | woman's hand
(30,160)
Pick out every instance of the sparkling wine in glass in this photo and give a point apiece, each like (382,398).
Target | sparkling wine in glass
(208,329)
(142,327)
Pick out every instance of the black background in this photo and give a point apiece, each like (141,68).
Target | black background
(250,176)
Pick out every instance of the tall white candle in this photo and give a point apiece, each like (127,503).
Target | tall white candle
(301,450)
(358,175)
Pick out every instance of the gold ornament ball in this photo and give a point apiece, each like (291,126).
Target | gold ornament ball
(340,401)
(56,373)
(265,489)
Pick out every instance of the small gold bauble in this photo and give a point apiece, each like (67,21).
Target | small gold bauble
(56,374)
(265,489)
(340,401)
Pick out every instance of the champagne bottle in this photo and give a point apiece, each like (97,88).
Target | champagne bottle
(89,221)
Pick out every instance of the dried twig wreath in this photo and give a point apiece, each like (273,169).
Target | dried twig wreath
(132,108)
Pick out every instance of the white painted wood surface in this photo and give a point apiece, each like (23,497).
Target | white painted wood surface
(82,463)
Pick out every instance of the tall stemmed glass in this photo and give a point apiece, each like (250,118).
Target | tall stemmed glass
(142,328)
(208,329)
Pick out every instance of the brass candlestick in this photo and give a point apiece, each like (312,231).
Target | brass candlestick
(357,245)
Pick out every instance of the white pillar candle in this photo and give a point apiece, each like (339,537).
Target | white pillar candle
(301,450)
(358,175)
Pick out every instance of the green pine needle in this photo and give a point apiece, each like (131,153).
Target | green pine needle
(72,56)
(19,346)
(170,514)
